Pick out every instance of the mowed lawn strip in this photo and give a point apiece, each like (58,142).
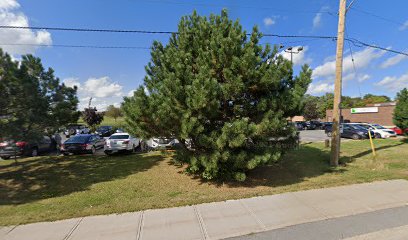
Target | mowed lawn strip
(52,188)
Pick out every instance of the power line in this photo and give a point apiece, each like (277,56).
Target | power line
(354,41)
(359,43)
(377,16)
(352,60)
(86,30)
(74,46)
(236,6)
(140,31)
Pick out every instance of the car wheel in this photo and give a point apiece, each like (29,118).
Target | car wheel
(355,136)
(329,134)
(66,154)
(5,157)
(138,148)
(377,135)
(34,152)
(93,150)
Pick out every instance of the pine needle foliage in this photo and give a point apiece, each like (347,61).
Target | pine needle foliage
(220,92)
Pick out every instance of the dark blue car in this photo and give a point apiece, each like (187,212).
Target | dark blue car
(82,143)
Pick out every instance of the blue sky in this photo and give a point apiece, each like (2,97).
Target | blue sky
(109,74)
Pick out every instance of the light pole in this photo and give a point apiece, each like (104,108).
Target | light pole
(292,51)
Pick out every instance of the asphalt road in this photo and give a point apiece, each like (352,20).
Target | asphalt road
(313,136)
(338,228)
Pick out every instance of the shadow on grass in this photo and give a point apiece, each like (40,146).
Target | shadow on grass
(45,177)
(297,165)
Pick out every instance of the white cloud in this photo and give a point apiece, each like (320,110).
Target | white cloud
(269,21)
(317,20)
(8,4)
(404,26)
(10,16)
(320,87)
(363,78)
(102,87)
(394,83)
(130,93)
(298,58)
(362,59)
(71,82)
(393,61)
(103,91)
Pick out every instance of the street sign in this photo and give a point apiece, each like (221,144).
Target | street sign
(365,110)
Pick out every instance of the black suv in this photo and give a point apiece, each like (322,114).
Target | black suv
(104,131)
(13,147)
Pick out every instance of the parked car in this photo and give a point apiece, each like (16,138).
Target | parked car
(326,125)
(82,143)
(12,147)
(310,125)
(399,131)
(379,131)
(300,125)
(74,129)
(317,124)
(348,130)
(121,142)
(104,131)
(161,143)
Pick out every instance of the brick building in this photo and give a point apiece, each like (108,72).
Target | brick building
(380,113)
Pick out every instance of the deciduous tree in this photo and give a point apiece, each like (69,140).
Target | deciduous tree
(401,109)
(113,112)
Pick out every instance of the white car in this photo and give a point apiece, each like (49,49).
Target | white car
(121,142)
(379,131)
(74,129)
(161,143)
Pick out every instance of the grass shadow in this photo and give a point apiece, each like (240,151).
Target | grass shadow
(299,164)
(45,177)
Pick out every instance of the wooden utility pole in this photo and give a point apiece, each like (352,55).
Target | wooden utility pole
(335,147)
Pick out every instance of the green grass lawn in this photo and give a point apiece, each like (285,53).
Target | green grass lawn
(108,121)
(51,188)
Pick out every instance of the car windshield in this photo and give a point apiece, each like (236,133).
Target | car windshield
(103,128)
(162,140)
(78,139)
(364,126)
(119,137)
(358,127)
(74,126)
(378,126)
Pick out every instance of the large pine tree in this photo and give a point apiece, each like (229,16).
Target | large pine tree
(218,88)
(32,99)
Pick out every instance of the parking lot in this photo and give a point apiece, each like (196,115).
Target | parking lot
(313,136)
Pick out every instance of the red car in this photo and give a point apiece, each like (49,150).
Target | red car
(399,131)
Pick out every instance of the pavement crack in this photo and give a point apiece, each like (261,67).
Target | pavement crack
(141,222)
(201,223)
(260,223)
(73,229)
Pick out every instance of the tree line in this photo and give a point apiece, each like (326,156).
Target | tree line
(33,100)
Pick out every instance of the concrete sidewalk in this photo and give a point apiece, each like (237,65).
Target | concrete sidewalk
(223,219)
